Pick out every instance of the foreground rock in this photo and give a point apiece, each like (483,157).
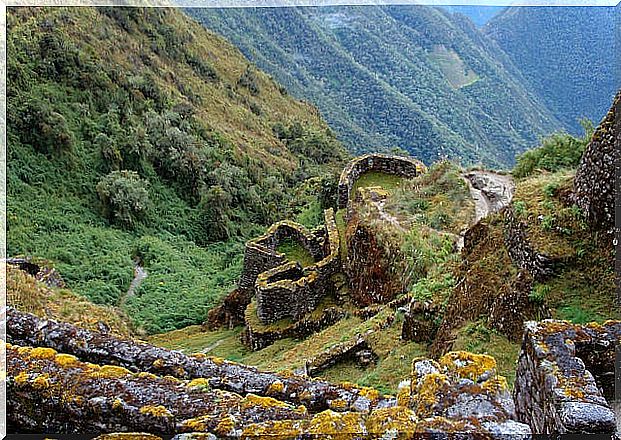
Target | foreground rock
(316,395)
(57,393)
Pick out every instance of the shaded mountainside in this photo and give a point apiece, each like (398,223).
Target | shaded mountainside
(565,55)
(135,135)
(419,78)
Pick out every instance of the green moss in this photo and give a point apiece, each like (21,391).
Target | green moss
(295,251)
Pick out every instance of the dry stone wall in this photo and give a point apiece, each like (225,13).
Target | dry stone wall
(400,166)
(594,184)
(289,290)
(555,390)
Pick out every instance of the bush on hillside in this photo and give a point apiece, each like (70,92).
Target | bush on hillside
(558,151)
(124,197)
(45,128)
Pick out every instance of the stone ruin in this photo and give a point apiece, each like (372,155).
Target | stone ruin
(565,378)
(400,166)
(594,184)
(286,289)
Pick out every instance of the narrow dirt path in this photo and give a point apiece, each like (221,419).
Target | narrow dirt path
(139,275)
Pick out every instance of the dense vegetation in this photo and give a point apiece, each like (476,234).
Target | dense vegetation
(134,135)
(419,78)
(566,55)
(557,151)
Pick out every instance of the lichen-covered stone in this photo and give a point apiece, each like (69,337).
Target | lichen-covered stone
(555,391)
(594,184)
(26,329)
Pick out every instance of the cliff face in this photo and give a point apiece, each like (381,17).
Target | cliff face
(594,184)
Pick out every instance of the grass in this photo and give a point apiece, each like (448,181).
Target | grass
(376,178)
(455,70)
(295,251)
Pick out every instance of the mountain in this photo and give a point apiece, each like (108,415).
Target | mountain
(136,137)
(414,77)
(479,15)
(565,53)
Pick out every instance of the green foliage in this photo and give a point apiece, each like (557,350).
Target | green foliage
(520,208)
(94,114)
(124,197)
(539,293)
(357,65)
(295,251)
(249,81)
(558,151)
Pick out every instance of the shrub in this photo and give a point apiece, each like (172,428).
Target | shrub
(558,151)
(44,128)
(250,81)
(124,197)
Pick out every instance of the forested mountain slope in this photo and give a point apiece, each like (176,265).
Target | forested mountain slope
(135,136)
(565,54)
(415,77)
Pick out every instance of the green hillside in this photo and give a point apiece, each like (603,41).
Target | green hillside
(418,77)
(565,55)
(136,135)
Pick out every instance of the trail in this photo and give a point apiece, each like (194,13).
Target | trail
(139,274)
(490,191)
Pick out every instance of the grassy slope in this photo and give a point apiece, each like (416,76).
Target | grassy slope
(183,108)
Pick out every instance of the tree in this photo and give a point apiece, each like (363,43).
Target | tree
(124,197)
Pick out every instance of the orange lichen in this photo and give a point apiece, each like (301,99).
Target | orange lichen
(197,424)
(156,411)
(279,429)
(370,393)
(403,397)
(24,351)
(217,360)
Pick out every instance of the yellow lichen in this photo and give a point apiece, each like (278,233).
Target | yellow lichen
(199,384)
(145,375)
(158,363)
(156,411)
(403,397)
(467,365)
(24,351)
(338,404)
(370,393)
(495,385)
(330,423)
(42,353)
(279,429)
(117,404)
(306,395)
(197,424)
(427,393)
(265,402)
(225,426)
(21,378)
(199,355)
(66,360)
(41,382)
(170,378)
(217,360)
(110,372)
(397,418)
(275,387)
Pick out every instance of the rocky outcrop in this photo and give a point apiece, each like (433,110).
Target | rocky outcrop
(56,392)
(28,330)
(231,312)
(356,349)
(555,390)
(594,184)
